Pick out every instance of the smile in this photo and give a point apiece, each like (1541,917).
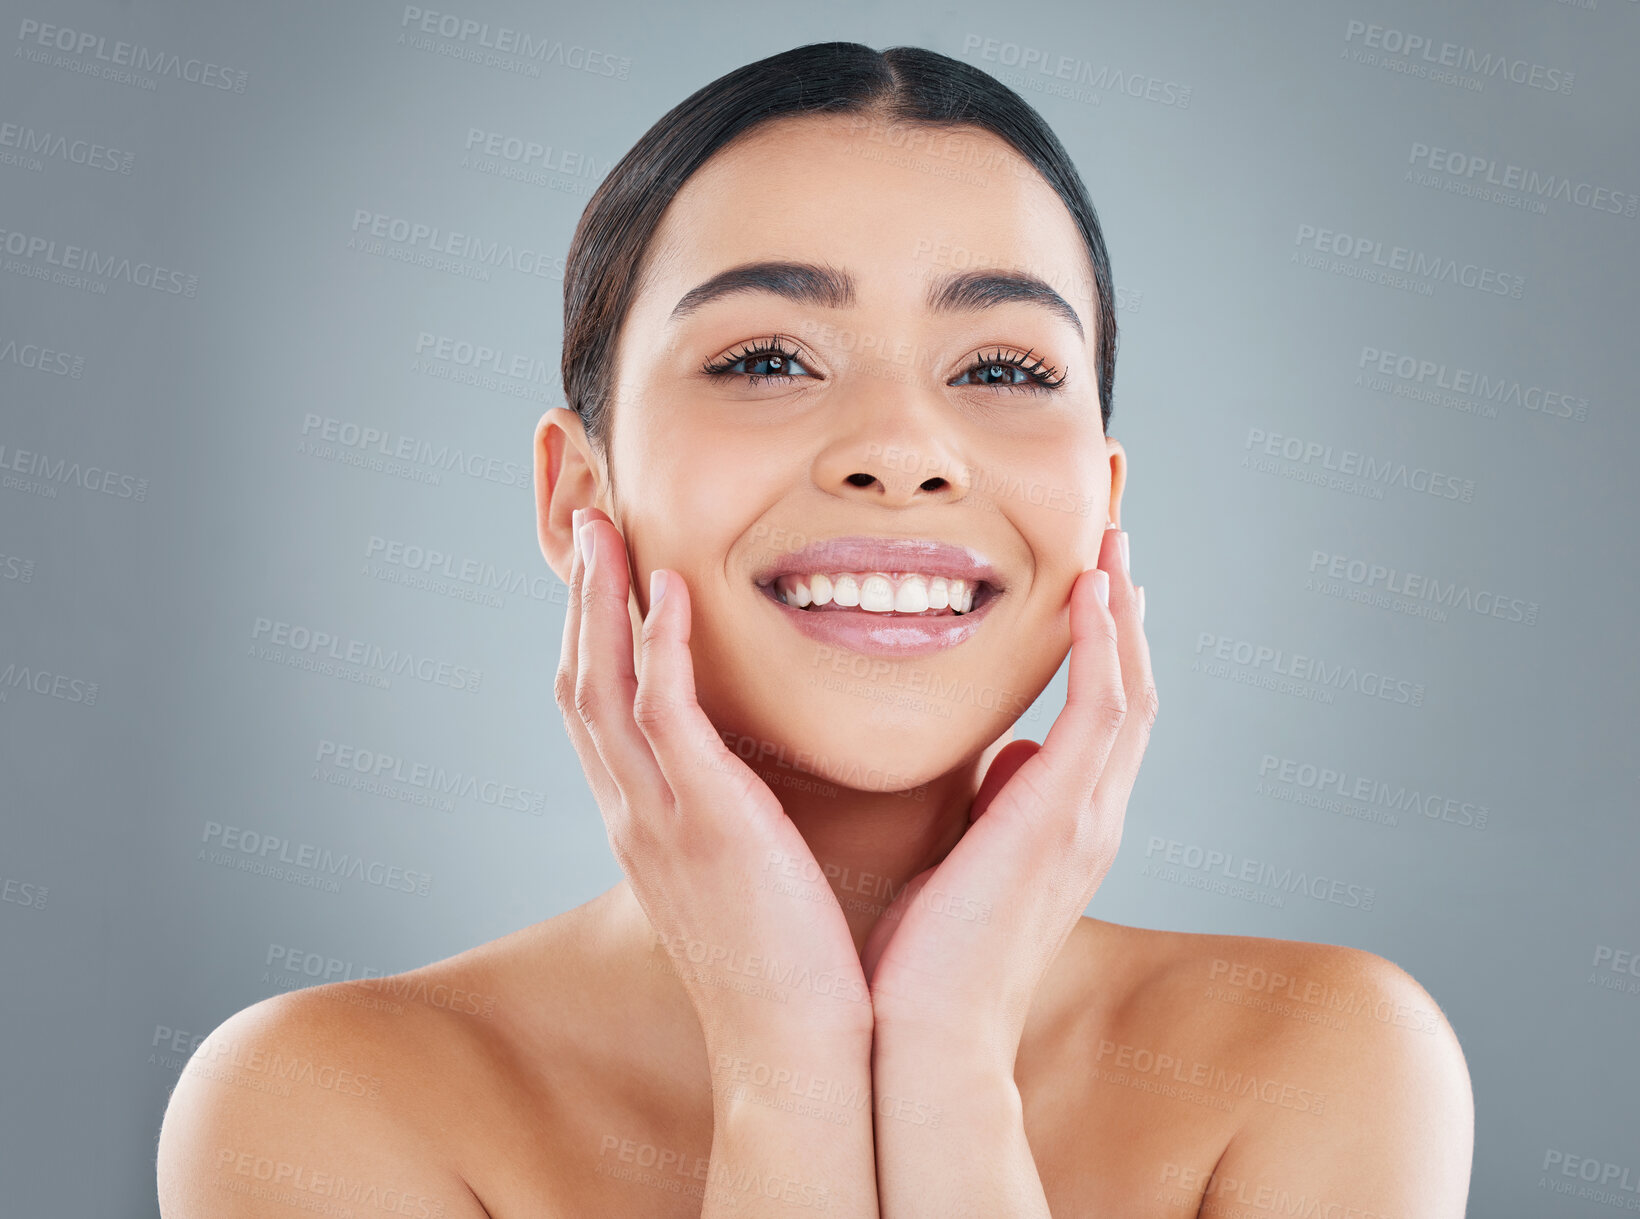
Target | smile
(896,596)
(882,592)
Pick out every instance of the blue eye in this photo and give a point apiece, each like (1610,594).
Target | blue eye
(777,362)
(1036,376)
(769,360)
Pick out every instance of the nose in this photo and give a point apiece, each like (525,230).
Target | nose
(900,454)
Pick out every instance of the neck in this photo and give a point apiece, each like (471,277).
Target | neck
(868,844)
(871,844)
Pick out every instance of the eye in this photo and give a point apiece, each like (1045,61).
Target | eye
(1013,372)
(767,360)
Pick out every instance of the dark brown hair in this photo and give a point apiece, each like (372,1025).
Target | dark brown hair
(900,85)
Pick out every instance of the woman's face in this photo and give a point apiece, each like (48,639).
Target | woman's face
(884,417)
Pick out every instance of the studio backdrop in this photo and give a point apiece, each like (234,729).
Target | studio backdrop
(281,305)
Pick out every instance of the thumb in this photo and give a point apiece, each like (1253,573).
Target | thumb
(879,936)
(1009,759)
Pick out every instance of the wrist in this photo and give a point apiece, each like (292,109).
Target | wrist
(973,1049)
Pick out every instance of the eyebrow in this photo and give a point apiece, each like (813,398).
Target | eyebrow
(810,284)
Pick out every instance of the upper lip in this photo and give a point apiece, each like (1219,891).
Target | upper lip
(860,552)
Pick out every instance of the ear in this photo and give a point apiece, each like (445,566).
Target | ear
(567,477)
(1118,477)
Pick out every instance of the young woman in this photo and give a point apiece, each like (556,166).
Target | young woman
(834,498)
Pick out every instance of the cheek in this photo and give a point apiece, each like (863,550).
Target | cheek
(1061,510)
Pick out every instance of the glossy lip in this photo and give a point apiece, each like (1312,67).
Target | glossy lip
(895,556)
(890,634)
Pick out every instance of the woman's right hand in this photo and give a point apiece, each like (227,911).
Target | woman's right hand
(738,903)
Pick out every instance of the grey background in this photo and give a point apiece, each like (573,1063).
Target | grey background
(125,922)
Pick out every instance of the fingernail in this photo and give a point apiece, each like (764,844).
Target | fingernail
(657,587)
(575,532)
(589,549)
(1122,540)
(1141,591)
(1101,585)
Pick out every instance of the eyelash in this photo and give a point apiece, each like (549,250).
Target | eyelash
(1046,378)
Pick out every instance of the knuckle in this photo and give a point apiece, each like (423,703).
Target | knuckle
(653,712)
(593,598)
(1110,711)
(563,689)
(1146,703)
(590,698)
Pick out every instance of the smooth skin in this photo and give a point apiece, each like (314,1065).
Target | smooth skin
(848,969)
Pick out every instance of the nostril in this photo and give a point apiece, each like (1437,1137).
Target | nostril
(860,480)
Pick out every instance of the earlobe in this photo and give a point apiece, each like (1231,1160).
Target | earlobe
(565,479)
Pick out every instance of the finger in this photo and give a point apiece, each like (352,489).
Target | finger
(1009,759)
(1075,750)
(1139,689)
(685,745)
(605,683)
(598,777)
(882,931)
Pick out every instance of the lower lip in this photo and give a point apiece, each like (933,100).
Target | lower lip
(884,634)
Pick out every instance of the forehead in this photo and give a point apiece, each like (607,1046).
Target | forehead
(894,205)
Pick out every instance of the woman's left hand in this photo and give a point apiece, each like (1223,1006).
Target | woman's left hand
(958,956)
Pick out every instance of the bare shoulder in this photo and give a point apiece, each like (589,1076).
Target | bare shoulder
(435,1093)
(316,1097)
(1342,1072)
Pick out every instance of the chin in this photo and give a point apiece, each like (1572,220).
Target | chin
(866,737)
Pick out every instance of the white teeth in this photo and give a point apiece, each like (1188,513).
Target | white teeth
(878,592)
(911,597)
